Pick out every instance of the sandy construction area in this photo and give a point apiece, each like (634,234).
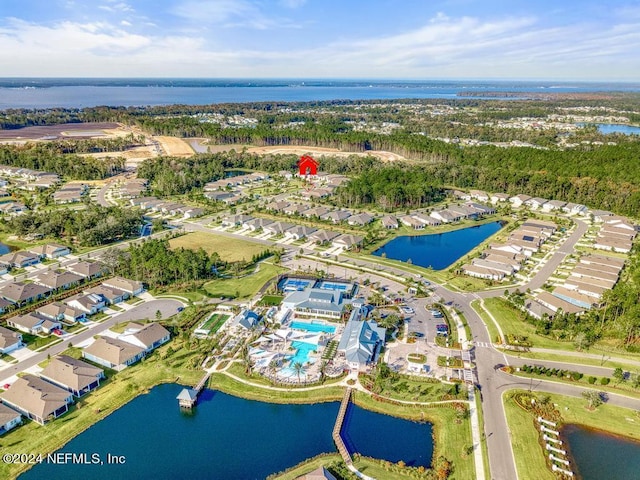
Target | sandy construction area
(320,151)
(174,146)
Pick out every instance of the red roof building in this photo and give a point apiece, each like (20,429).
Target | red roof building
(307,166)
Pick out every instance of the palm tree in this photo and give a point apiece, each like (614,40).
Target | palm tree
(273,365)
(298,368)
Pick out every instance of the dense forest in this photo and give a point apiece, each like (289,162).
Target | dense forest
(156,264)
(91,227)
(54,157)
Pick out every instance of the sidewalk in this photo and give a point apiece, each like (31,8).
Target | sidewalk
(473,412)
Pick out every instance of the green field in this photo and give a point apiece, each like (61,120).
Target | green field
(243,287)
(229,249)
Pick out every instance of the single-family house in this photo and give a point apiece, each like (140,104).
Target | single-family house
(315,212)
(323,236)
(298,232)
(277,206)
(113,353)
(478,271)
(149,336)
(87,270)
(33,323)
(347,241)
(109,294)
(73,375)
(5,305)
(389,222)
(295,209)
(336,216)
(446,216)
(360,219)
(499,198)
(9,418)
(37,399)
(553,205)
(20,259)
(9,340)
(50,250)
(574,209)
(412,222)
(277,228)
(58,280)
(235,220)
(257,224)
(519,200)
(62,312)
(535,203)
(88,303)
(12,209)
(132,287)
(22,293)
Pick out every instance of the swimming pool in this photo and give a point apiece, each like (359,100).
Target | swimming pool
(313,327)
(302,353)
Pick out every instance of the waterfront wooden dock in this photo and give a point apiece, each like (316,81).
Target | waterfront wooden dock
(337,428)
(188,397)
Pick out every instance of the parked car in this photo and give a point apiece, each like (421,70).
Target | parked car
(57,331)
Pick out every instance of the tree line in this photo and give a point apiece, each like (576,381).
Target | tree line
(93,226)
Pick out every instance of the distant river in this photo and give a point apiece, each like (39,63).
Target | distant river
(230,438)
(79,93)
(599,456)
(615,128)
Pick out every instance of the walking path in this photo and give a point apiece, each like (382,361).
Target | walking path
(473,411)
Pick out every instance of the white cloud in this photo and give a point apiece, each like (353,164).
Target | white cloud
(230,14)
(293,3)
(119,7)
(442,47)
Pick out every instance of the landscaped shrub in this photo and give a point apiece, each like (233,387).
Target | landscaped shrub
(592,380)
(577,376)
(605,381)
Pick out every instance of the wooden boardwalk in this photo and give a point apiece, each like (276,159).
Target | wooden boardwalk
(337,429)
(203,381)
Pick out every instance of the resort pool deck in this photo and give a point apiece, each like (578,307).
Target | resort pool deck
(313,327)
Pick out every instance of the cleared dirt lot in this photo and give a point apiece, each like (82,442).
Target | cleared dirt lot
(58,131)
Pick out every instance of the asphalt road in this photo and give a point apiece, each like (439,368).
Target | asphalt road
(147,310)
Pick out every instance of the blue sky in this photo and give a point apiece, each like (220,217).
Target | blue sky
(401,39)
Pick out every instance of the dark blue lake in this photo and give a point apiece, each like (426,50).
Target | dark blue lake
(598,455)
(229,438)
(440,250)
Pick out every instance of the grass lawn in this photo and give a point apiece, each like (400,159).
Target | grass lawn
(226,384)
(190,296)
(229,249)
(529,455)
(35,342)
(530,462)
(493,330)
(243,287)
(271,300)
(512,322)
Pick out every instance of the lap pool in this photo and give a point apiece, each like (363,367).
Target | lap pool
(313,327)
